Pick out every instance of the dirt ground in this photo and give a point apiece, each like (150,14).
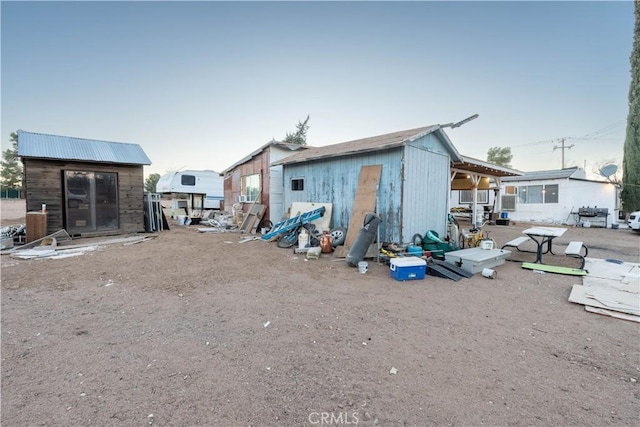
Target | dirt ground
(195,329)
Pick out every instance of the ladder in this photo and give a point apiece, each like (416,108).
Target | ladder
(291,223)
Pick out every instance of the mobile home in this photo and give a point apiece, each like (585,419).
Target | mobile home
(196,189)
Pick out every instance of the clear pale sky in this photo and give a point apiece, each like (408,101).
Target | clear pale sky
(199,85)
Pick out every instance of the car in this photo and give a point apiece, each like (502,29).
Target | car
(634,221)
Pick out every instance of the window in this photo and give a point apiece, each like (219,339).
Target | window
(466,196)
(188,180)
(551,193)
(297,184)
(538,193)
(91,200)
(250,188)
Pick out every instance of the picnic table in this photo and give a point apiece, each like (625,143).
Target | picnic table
(544,236)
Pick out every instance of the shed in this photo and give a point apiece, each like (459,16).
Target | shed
(413,190)
(556,196)
(90,187)
(255,179)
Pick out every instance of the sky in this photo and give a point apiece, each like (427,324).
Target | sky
(200,85)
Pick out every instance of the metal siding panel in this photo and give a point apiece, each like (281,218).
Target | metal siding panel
(335,181)
(276,194)
(426,191)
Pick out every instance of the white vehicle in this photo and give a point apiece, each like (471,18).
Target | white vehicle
(205,188)
(634,221)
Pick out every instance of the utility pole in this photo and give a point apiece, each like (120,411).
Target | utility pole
(563,147)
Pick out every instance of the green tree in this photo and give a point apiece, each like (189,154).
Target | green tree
(11,175)
(151,182)
(300,135)
(500,156)
(630,196)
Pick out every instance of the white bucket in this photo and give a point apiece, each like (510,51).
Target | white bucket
(489,273)
(182,219)
(486,244)
(363,266)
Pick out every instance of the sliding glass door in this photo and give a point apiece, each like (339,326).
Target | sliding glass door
(91,200)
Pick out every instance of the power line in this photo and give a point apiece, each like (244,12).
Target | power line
(563,147)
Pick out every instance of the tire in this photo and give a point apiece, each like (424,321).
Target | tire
(264,223)
(461,241)
(289,239)
(338,235)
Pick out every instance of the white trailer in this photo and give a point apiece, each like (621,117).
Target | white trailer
(203,189)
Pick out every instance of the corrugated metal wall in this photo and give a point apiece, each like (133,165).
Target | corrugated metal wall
(336,180)
(426,192)
(413,193)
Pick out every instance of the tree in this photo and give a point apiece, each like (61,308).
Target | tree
(300,135)
(11,175)
(630,196)
(500,156)
(151,182)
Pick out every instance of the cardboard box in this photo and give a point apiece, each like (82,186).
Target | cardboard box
(409,268)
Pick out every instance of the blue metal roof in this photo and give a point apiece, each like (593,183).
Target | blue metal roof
(43,146)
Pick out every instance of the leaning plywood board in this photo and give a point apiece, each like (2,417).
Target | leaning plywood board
(610,313)
(364,203)
(252,218)
(609,299)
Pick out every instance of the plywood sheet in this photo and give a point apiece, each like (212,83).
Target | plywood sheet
(610,313)
(365,200)
(323,223)
(610,299)
(364,203)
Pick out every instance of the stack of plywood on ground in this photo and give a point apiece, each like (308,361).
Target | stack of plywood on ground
(611,288)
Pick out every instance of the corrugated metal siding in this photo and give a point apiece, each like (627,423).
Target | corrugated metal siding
(336,180)
(425,192)
(42,146)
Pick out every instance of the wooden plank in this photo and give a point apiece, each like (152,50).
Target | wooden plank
(252,218)
(363,203)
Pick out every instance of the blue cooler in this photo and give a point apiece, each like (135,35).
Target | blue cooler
(409,268)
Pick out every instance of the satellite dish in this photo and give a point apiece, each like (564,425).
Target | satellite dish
(608,170)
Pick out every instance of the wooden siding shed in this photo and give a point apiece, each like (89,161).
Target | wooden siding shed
(90,187)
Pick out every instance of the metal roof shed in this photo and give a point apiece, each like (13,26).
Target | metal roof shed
(414,186)
(90,187)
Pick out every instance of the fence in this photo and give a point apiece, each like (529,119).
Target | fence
(10,193)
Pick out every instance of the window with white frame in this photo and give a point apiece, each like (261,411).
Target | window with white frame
(466,196)
(538,193)
(250,188)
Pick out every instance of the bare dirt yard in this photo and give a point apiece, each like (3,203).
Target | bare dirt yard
(195,329)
